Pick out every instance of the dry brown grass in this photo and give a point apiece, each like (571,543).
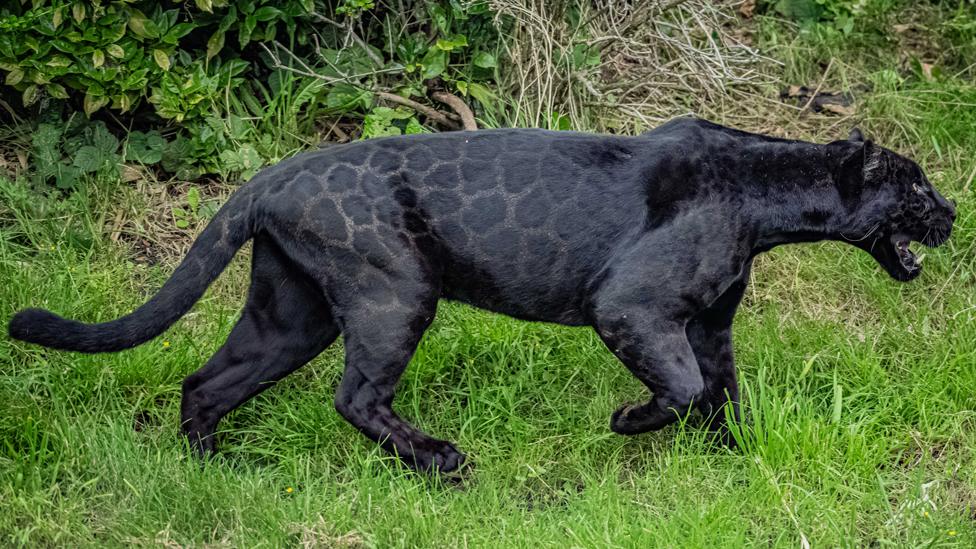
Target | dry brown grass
(658,59)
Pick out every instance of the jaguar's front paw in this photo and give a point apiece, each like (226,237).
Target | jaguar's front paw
(622,421)
(436,456)
(633,419)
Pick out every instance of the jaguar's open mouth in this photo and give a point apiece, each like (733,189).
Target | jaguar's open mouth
(908,263)
(894,253)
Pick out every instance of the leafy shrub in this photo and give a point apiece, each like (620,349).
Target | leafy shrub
(839,15)
(118,53)
(213,78)
(63,153)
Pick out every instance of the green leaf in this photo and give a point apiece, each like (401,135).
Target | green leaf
(56,91)
(145,148)
(66,175)
(30,95)
(559,122)
(182,223)
(14,76)
(94,102)
(78,11)
(244,33)
(228,21)
(193,199)
(838,407)
(484,60)
(215,44)
(122,102)
(59,61)
(140,25)
(435,62)
(457,41)
(245,160)
(115,51)
(103,140)
(413,127)
(98,58)
(45,143)
(266,13)
(162,59)
(88,159)
(484,96)
(178,31)
(799,10)
(205,5)
(439,15)
(585,56)
(347,97)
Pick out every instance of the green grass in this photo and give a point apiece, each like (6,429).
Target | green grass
(860,394)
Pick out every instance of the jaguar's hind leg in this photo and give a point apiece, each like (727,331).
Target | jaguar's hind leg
(378,348)
(286,322)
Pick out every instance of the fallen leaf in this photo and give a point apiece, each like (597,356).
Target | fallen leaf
(927,70)
(748,8)
(843,110)
(130,173)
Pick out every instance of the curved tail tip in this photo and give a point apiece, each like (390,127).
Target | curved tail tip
(28,322)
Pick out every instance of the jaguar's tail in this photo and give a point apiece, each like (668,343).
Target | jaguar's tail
(207,258)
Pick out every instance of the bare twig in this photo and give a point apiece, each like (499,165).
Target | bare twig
(352,34)
(433,114)
(819,85)
(307,71)
(453,101)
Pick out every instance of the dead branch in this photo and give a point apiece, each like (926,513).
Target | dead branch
(352,34)
(453,101)
(432,114)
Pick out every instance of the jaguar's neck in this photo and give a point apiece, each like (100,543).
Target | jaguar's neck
(794,198)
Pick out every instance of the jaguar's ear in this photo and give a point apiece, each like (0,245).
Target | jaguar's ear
(849,173)
(856,135)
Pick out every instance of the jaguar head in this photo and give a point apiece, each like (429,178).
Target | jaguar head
(891,204)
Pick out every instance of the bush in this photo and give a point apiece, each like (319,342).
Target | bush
(121,53)
(231,85)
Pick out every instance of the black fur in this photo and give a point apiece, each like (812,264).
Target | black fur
(647,239)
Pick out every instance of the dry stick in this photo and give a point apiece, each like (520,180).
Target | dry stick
(453,101)
(351,79)
(355,37)
(820,85)
(433,114)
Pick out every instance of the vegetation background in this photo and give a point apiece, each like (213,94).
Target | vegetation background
(127,122)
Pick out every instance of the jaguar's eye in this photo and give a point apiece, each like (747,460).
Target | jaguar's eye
(918,206)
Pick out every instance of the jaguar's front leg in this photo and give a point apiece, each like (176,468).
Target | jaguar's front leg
(656,350)
(710,335)
(644,304)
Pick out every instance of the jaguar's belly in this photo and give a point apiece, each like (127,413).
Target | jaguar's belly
(541,299)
